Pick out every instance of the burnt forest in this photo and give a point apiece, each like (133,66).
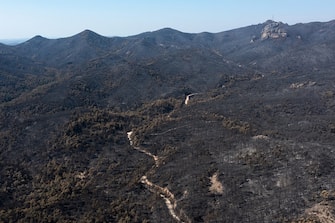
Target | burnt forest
(167,126)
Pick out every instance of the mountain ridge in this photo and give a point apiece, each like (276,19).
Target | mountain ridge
(167,126)
(172,29)
(89,45)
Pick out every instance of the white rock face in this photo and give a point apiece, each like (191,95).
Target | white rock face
(273,30)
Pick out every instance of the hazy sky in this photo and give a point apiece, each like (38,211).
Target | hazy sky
(62,18)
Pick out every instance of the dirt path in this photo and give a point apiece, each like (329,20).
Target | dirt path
(188,97)
(168,197)
(154,157)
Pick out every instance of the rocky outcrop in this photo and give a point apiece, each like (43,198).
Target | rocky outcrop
(273,30)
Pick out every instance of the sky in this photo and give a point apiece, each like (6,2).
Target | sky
(64,18)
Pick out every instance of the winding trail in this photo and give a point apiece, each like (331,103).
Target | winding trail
(165,193)
(188,97)
(154,157)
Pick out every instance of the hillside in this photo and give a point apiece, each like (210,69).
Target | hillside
(167,126)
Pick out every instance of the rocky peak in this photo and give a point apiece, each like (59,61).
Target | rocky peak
(273,30)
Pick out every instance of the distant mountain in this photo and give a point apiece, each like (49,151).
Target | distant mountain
(12,42)
(245,45)
(166,126)
(60,52)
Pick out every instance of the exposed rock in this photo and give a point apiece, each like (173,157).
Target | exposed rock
(256,144)
(216,186)
(273,30)
(253,39)
(301,85)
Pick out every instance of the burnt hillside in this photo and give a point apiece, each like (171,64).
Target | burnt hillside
(167,126)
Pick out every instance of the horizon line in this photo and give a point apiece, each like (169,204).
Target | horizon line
(18,40)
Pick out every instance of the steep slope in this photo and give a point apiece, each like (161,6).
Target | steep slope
(109,82)
(167,126)
(303,47)
(267,143)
